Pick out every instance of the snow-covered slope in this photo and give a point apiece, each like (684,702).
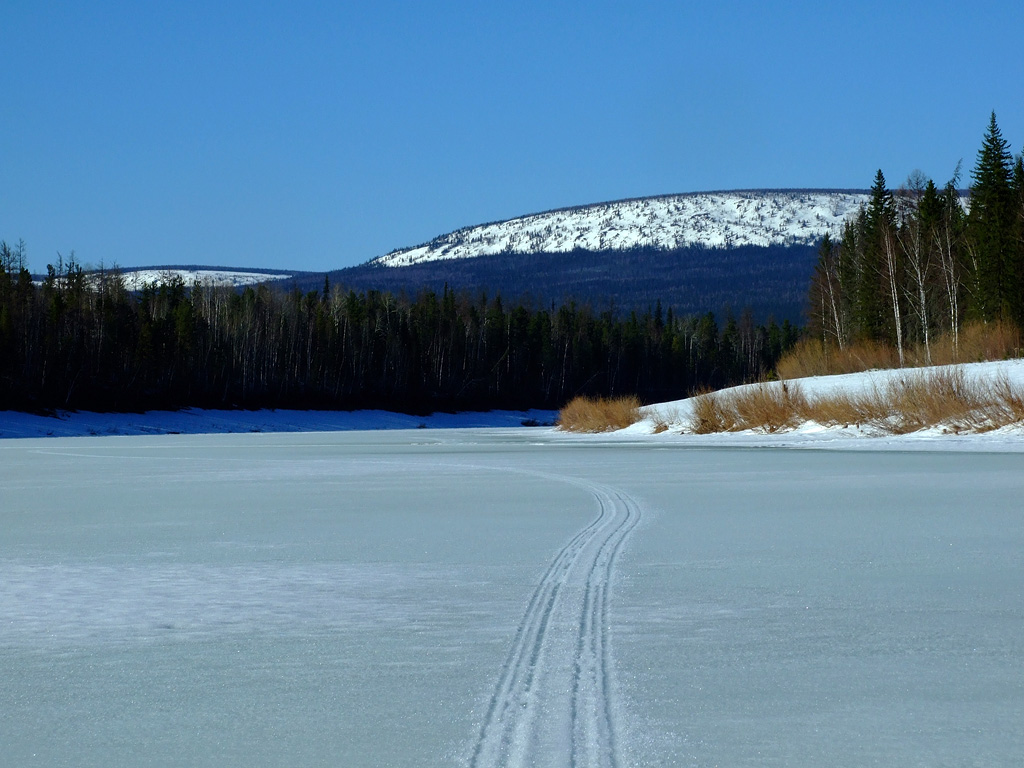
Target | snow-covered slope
(135,279)
(712,219)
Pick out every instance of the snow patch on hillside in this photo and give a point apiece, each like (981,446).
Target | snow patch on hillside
(137,278)
(710,219)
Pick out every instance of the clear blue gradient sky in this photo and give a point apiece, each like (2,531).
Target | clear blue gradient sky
(316,135)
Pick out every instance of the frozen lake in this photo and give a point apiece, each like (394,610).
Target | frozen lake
(506,597)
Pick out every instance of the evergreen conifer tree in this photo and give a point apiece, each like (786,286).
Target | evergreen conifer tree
(875,225)
(991,231)
(848,276)
(929,209)
(1017,265)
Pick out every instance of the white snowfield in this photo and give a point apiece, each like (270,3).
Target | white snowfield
(137,278)
(710,219)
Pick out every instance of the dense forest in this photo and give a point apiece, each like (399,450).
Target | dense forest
(914,263)
(920,260)
(769,280)
(81,340)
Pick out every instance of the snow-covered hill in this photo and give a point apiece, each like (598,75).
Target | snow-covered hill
(712,219)
(135,279)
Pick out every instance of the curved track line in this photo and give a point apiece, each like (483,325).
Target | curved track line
(552,704)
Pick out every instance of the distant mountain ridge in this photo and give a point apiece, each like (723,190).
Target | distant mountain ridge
(695,252)
(726,219)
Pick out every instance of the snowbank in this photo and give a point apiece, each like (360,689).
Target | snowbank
(670,421)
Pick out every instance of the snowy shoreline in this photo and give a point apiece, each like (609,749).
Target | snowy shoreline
(661,423)
(196,421)
(670,421)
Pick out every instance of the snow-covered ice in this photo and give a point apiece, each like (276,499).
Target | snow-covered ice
(327,591)
(504,597)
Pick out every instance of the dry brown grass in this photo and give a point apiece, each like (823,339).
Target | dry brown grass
(976,342)
(922,400)
(586,414)
(769,407)
(945,398)
(843,409)
(711,413)
(808,357)
(773,407)
(811,357)
(1011,399)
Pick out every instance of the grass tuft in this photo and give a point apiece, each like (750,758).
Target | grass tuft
(1012,400)
(769,407)
(711,413)
(842,409)
(941,397)
(586,414)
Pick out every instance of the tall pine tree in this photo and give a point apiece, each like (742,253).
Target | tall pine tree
(1017,263)
(876,223)
(991,224)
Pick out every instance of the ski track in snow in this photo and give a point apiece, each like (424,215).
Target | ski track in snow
(554,690)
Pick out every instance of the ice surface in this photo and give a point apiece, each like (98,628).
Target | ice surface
(239,600)
(506,597)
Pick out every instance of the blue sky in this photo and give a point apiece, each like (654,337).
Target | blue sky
(316,135)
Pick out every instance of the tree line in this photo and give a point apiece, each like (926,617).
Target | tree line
(770,280)
(920,260)
(82,340)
